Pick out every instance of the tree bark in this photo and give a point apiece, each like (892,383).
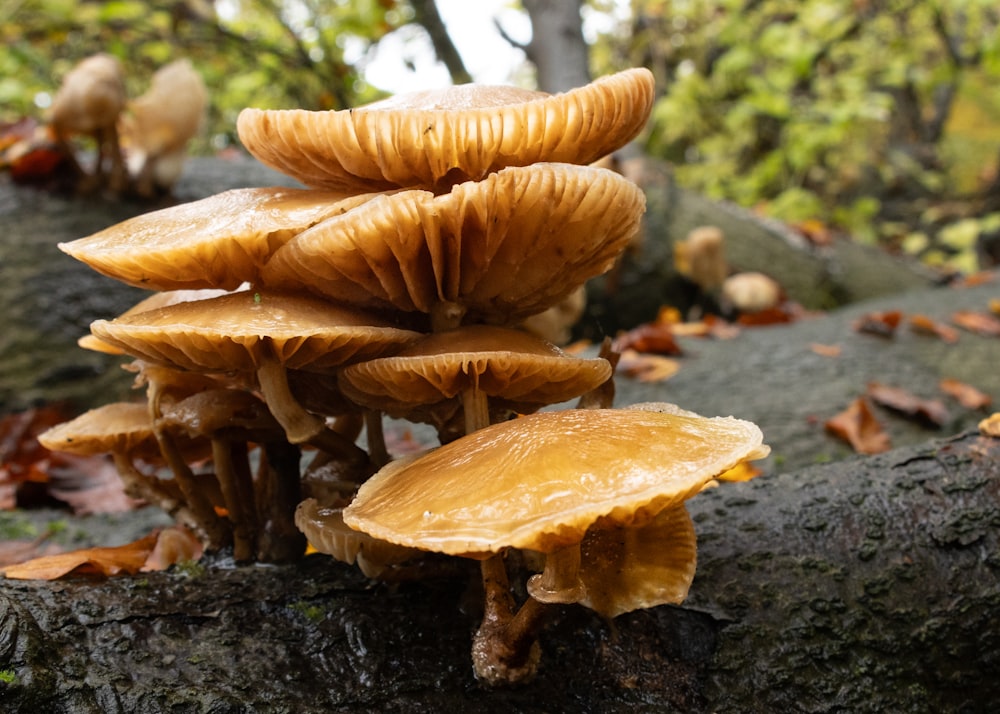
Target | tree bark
(870,585)
(557,48)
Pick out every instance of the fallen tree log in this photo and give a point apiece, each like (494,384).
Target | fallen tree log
(867,585)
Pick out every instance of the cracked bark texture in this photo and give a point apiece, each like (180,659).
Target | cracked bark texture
(869,585)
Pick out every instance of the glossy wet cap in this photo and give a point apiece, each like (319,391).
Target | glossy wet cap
(452,135)
(541,481)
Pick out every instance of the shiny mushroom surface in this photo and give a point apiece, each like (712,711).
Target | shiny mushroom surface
(496,250)
(457,134)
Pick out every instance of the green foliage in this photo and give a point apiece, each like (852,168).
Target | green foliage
(839,110)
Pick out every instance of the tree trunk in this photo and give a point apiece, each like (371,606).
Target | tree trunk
(870,585)
(557,48)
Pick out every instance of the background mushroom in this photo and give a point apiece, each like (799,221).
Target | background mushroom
(89,102)
(158,125)
(458,134)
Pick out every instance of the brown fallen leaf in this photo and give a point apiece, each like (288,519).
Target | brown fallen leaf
(651,338)
(858,426)
(981,323)
(924,325)
(647,367)
(975,279)
(930,412)
(88,484)
(966,395)
(825,350)
(883,324)
(995,306)
(107,561)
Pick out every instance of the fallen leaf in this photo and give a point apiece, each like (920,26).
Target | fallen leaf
(858,427)
(981,323)
(814,230)
(779,315)
(107,561)
(651,338)
(647,367)
(825,350)
(743,471)
(927,411)
(925,325)
(17,551)
(88,484)
(174,545)
(975,279)
(995,306)
(883,324)
(967,395)
(990,426)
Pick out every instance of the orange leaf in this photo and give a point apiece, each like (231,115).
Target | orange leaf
(928,411)
(647,368)
(975,279)
(928,326)
(982,323)
(883,324)
(990,426)
(825,350)
(858,427)
(102,561)
(967,395)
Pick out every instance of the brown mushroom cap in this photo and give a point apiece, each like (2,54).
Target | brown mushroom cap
(223,334)
(501,249)
(324,528)
(526,372)
(121,426)
(457,134)
(217,242)
(156,300)
(541,481)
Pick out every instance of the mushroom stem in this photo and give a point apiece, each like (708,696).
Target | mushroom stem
(446,315)
(475,405)
(150,489)
(377,452)
(223,453)
(505,649)
(559,582)
(280,492)
(212,528)
(300,425)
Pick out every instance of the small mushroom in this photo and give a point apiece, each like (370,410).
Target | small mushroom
(496,250)
(263,334)
(125,430)
(325,530)
(541,483)
(217,242)
(229,418)
(458,134)
(472,364)
(89,102)
(158,125)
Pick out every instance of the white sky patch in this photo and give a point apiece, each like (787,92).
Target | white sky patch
(405,61)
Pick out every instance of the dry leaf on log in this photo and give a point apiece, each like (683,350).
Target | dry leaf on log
(926,411)
(858,426)
(966,395)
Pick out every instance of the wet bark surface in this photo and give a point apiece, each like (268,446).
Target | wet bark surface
(869,585)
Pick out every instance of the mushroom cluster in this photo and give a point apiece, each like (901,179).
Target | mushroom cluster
(289,320)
